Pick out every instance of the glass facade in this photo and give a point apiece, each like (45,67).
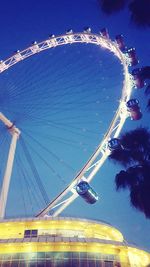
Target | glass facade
(58,259)
(66,242)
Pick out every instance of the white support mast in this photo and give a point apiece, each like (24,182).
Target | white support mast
(8,171)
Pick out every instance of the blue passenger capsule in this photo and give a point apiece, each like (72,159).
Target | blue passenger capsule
(134,109)
(87,30)
(120,41)
(104,33)
(114,144)
(69,31)
(139,81)
(131,52)
(86,192)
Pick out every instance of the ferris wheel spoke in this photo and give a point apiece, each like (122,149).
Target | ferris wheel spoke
(52,104)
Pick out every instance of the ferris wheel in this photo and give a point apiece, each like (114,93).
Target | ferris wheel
(88,170)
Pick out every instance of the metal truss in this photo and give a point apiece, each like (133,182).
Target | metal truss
(89,170)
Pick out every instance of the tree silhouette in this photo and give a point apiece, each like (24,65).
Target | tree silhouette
(134,155)
(139,9)
(109,6)
(144,74)
(147,91)
(140,12)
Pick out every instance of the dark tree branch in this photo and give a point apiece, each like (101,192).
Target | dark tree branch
(109,6)
(135,155)
(140,12)
(139,9)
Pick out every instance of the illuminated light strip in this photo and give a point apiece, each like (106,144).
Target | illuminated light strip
(118,119)
(59,246)
(89,228)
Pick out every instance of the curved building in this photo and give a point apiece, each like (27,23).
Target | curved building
(66,242)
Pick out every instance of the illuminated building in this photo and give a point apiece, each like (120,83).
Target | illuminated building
(66,242)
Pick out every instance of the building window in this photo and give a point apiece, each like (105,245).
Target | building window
(108,264)
(30,233)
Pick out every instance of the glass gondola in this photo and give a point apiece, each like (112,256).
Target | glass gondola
(86,192)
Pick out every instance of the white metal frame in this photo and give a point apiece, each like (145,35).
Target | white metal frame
(8,171)
(68,195)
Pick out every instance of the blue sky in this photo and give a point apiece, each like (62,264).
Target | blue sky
(75,68)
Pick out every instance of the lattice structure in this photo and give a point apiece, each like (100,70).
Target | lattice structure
(101,153)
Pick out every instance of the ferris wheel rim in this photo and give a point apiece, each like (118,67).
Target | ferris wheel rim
(119,117)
